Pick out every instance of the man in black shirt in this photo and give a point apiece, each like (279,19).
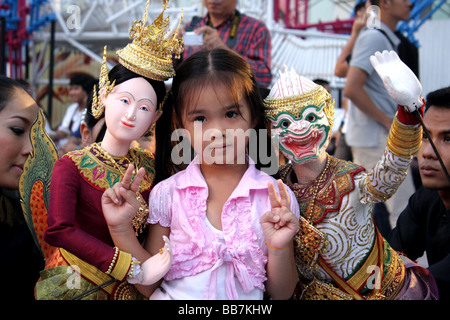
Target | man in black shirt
(424,226)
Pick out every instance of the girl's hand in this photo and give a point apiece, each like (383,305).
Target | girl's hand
(279,225)
(119,203)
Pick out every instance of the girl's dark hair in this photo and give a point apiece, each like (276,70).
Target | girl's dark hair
(205,68)
(7,89)
(121,74)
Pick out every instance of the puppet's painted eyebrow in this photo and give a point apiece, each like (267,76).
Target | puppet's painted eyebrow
(135,98)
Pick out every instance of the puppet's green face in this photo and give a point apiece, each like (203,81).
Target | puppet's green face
(303,137)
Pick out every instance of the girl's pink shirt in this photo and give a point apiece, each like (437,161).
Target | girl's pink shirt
(179,202)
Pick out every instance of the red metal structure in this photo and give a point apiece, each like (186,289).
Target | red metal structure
(294,15)
(14,35)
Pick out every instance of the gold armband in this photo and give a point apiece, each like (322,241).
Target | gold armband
(403,140)
(120,265)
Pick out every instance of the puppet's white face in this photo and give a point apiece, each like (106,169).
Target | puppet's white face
(130,109)
(302,138)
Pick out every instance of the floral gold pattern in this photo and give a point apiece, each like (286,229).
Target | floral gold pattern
(337,183)
(101,172)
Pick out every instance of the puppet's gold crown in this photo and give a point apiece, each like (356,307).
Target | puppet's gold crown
(150,53)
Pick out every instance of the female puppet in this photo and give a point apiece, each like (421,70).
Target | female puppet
(130,96)
(339,252)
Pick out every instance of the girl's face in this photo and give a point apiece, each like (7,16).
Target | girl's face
(16,120)
(130,109)
(218,129)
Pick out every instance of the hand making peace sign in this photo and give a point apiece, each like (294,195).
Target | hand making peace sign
(279,225)
(119,203)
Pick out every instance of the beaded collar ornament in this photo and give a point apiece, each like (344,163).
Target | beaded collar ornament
(292,93)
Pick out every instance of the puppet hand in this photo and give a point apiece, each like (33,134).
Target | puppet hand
(279,225)
(400,82)
(156,267)
(119,203)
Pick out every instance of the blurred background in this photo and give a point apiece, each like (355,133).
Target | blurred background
(47,42)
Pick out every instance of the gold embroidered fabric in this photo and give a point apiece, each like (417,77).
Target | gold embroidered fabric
(101,172)
(309,242)
(338,182)
(394,274)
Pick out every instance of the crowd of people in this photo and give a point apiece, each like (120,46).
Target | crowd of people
(139,224)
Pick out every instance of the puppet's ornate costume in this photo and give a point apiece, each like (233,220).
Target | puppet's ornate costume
(81,260)
(77,228)
(340,255)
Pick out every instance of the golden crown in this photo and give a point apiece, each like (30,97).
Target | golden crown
(292,93)
(297,103)
(150,53)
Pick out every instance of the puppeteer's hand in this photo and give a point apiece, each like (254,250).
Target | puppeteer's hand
(279,225)
(156,267)
(400,82)
(211,38)
(119,203)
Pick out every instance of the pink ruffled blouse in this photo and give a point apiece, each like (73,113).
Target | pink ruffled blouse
(179,202)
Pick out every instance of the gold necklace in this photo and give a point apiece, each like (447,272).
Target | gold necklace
(111,159)
(140,218)
(318,181)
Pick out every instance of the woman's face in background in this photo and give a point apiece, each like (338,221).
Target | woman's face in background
(16,120)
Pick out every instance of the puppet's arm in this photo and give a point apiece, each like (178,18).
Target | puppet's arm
(405,134)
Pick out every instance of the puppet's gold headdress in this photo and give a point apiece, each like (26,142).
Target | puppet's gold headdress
(149,54)
(292,93)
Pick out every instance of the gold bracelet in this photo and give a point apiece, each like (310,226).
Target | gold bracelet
(133,263)
(402,152)
(277,248)
(113,262)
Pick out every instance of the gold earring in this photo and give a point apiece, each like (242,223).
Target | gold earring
(97,105)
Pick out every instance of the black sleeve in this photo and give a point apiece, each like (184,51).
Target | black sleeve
(409,234)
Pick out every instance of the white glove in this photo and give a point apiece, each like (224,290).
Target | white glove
(154,268)
(400,82)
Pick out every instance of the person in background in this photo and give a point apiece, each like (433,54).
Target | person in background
(342,63)
(371,110)
(92,130)
(342,150)
(21,260)
(80,88)
(225,27)
(424,225)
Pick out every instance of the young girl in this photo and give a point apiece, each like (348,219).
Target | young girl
(231,234)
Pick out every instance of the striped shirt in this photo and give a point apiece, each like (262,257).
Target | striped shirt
(253,43)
